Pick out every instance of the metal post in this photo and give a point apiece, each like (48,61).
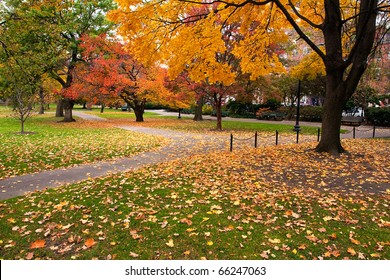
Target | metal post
(354,132)
(373,132)
(256,139)
(318,134)
(297,136)
(277,137)
(297,128)
(231,142)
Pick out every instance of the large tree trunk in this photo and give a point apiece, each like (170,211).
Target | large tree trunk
(139,110)
(198,110)
(331,123)
(60,108)
(68,107)
(343,75)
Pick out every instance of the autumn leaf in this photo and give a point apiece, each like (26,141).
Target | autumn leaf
(38,244)
(170,243)
(89,242)
(274,241)
(186,221)
(134,255)
(351,251)
(210,243)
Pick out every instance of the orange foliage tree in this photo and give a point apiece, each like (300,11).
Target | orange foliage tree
(107,70)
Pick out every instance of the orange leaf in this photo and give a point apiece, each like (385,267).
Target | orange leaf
(351,251)
(90,242)
(38,244)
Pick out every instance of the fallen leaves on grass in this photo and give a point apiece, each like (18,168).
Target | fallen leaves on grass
(257,204)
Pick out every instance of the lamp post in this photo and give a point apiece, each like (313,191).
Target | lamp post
(297,128)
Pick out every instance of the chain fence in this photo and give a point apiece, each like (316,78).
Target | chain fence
(288,138)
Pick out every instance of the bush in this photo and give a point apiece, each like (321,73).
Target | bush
(207,109)
(311,113)
(378,116)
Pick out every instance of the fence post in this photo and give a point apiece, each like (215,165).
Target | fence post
(354,132)
(277,137)
(373,131)
(318,134)
(256,139)
(231,142)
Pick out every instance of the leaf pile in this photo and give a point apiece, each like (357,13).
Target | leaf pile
(272,203)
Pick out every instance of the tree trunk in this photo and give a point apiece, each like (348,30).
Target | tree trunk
(139,112)
(218,108)
(60,108)
(68,107)
(198,110)
(42,101)
(102,109)
(331,123)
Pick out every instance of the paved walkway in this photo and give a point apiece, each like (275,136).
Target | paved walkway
(181,145)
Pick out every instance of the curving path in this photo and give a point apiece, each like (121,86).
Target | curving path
(181,144)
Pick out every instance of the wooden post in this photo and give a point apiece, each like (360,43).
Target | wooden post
(277,137)
(256,139)
(231,142)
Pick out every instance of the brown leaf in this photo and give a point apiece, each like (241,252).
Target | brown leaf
(29,256)
(38,244)
(186,221)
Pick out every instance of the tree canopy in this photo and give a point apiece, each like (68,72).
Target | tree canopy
(192,35)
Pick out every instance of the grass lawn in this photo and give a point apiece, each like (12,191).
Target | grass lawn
(284,202)
(54,144)
(186,123)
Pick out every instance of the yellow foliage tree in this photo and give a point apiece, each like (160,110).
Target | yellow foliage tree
(189,33)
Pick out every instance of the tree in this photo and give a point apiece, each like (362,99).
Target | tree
(26,54)
(107,70)
(193,38)
(347,31)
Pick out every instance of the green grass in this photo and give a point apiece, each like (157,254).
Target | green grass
(190,209)
(53,144)
(172,122)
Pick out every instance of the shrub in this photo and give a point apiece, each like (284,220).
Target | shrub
(311,113)
(379,116)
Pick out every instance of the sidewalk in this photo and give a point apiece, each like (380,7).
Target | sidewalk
(182,144)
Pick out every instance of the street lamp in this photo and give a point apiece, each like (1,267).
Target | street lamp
(297,128)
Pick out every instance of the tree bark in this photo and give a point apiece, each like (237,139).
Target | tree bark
(198,110)
(42,101)
(68,107)
(218,109)
(60,108)
(139,113)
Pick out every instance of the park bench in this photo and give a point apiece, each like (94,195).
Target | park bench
(277,116)
(352,121)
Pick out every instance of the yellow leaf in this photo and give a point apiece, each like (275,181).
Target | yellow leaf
(274,241)
(170,243)
(327,218)
(210,243)
(351,251)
